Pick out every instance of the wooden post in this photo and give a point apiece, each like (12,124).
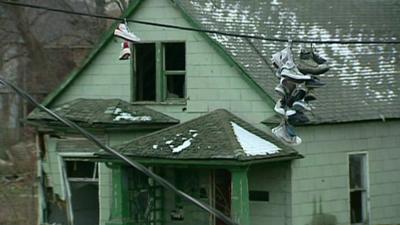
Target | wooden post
(240,207)
(120,214)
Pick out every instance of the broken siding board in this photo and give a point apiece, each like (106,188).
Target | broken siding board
(105,193)
(51,166)
(67,191)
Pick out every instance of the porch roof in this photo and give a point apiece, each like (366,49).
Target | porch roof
(218,135)
(102,113)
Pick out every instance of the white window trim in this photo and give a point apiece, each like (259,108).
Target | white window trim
(367,186)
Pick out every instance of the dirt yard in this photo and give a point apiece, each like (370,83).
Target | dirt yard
(17,186)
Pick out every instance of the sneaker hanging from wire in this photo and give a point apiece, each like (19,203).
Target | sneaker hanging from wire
(289,70)
(281,108)
(123,32)
(286,133)
(311,63)
(125,51)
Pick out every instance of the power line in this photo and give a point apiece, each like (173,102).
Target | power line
(136,165)
(195,29)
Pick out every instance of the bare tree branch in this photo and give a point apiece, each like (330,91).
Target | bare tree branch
(37,16)
(121,4)
(23,54)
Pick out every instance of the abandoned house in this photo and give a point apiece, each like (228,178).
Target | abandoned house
(197,109)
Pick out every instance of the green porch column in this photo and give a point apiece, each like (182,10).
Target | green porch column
(240,196)
(120,214)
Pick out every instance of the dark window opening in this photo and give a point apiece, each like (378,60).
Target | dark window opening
(356,169)
(85,203)
(358,188)
(145,72)
(261,196)
(174,69)
(175,56)
(356,206)
(175,86)
(81,169)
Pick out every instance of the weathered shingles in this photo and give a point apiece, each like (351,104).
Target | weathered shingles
(211,136)
(364,81)
(102,112)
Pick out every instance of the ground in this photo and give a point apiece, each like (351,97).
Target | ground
(18,190)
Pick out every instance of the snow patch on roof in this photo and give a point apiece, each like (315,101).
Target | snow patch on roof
(252,144)
(128,116)
(119,115)
(181,147)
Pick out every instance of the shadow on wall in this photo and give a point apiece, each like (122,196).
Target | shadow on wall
(320,218)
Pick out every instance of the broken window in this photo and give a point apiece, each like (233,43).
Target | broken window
(83,187)
(358,188)
(175,69)
(145,72)
(81,170)
(159,71)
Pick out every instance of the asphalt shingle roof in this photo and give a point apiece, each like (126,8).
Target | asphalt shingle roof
(364,80)
(103,113)
(211,136)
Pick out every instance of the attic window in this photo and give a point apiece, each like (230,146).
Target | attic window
(159,71)
(174,69)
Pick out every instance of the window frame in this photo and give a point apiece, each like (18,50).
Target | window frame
(365,190)
(161,74)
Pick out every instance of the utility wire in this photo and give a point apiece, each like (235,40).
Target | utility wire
(138,166)
(195,29)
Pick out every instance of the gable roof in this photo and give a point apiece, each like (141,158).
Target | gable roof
(363,77)
(364,80)
(218,135)
(102,113)
(104,40)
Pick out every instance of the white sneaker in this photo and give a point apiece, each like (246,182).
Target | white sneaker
(123,32)
(290,70)
(281,132)
(301,106)
(279,109)
(280,58)
(125,51)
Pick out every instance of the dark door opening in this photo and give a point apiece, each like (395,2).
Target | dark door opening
(84,186)
(145,72)
(85,202)
(222,192)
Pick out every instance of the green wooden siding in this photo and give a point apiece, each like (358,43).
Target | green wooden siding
(105,77)
(320,180)
(212,82)
(275,179)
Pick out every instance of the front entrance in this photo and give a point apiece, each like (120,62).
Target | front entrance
(221,181)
